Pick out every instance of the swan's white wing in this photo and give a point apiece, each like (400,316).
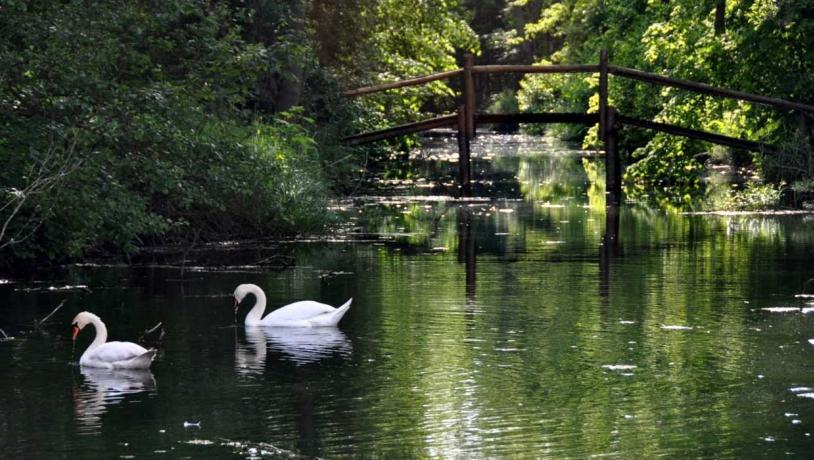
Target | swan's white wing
(112,352)
(298,311)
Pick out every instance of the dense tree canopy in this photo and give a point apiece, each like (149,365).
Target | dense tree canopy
(129,123)
(139,118)
(757,46)
(124,123)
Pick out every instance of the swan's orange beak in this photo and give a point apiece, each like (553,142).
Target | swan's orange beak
(75,331)
(237,304)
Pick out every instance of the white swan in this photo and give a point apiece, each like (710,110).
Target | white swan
(306,313)
(110,355)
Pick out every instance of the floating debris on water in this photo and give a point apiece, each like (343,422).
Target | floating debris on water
(191,424)
(799,296)
(619,367)
(800,389)
(508,349)
(199,442)
(670,327)
(781,309)
(253,450)
(333,274)
(5,337)
(624,321)
(227,269)
(41,322)
(67,287)
(546,204)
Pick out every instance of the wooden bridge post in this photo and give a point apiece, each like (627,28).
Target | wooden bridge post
(603,94)
(464,186)
(607,134)
(469,95)
(613,165)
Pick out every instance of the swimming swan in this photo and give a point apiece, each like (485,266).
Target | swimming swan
(306,313)
(110,355)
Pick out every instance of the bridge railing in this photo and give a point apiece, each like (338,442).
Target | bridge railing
(609,120)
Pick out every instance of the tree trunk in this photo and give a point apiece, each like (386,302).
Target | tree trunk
(720,17)
(290,81)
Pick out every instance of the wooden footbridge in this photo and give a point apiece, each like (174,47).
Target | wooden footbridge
(610,121)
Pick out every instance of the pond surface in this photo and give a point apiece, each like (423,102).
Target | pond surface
(522,326)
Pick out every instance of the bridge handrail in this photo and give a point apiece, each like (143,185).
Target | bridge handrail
(715,138)
(608,117)
(578,68)
(619,71)
(575,68)
(707,89)
(400,130)
(402,83)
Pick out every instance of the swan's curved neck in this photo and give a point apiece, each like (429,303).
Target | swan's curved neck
(256,312)
(101,332)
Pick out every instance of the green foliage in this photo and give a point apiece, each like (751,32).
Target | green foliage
(753,197)
(153,99)
(390,40)
(679,39)
(504,102)
(407,39)
(667,174)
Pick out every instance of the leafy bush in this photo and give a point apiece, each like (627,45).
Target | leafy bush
(754,197)
(681,39)
(145,110)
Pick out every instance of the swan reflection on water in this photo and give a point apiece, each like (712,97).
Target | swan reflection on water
(301,345)
(105,387)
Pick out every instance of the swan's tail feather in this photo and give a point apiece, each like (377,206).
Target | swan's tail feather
(345,306)
(333,318)
(142,361)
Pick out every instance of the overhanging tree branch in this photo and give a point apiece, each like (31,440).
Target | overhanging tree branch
(42,176)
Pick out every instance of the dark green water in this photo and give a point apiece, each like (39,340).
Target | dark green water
(497,328)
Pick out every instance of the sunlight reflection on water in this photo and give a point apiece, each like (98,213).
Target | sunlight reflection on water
(481,328)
